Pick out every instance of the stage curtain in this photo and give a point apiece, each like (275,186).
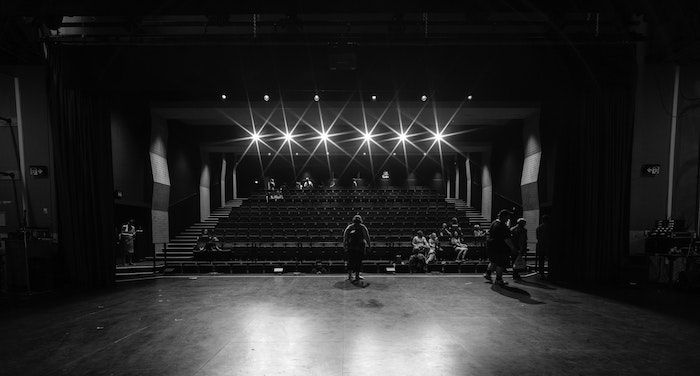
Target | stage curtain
(80,128)
(591,190)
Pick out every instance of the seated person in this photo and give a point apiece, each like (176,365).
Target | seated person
(478,232)
(454,227)
(434,247)
(460,247)
(420,247)
(445,231)
(420,244)
(207,242)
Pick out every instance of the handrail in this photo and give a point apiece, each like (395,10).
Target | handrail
(501,196)
(183,199)
(507,199)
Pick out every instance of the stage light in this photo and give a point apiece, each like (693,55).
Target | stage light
(266,98)
(256,182)
(269,154)
(317,98)
(255,137)
(423,98)
(327,153)
(223,96)
(424,153)
(437,136)
(367,136)
(288,137)
(324,136)
(403,137)
(297,153)
(363,153)
(469,97)
(394,154)
(374,98)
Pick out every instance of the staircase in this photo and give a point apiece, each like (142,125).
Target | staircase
(142,270)
(473,214)
(180,248)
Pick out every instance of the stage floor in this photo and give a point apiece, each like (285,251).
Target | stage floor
(323,325)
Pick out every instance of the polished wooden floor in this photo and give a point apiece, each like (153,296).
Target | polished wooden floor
(322,325)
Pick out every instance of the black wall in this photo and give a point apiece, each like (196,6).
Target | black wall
(184,163)
(507,167)
(130,130)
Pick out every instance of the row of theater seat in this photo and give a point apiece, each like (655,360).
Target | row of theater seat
(324,251)
(312,227)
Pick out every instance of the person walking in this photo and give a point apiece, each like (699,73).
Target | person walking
(355,243)
(498,247)
(519,233)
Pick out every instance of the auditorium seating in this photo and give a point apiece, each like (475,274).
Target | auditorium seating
(308,225)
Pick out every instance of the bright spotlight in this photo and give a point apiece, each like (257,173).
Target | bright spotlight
(367,136)
(297,153)
(437,136)
(363,153)
(324,136)
(223,96)
(469,97)
(316,98)
(288,137)
(266,98)
(374,98)
(269,154)
(423,98)
(255,137)
(403,137)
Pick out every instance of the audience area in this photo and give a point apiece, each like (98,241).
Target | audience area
(306,227)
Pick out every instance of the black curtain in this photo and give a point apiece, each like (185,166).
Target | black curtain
(592,174)
(80,127)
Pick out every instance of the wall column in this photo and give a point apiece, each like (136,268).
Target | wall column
(161,181)
(204,189)
(530,176)
(456,178)
(448,193)
(486,187)
(223,179)
(468,172)
(234,180)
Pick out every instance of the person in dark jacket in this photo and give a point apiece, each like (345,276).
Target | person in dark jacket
(356,243)
(497,246)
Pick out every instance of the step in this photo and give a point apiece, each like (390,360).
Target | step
(134,274)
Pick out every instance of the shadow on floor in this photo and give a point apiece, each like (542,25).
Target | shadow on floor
(515,293)
(534,284)
(347,285)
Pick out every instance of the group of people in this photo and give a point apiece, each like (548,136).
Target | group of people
(506,246)
(426,250)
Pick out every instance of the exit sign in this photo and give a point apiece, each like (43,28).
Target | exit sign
(651,169)
(39,172)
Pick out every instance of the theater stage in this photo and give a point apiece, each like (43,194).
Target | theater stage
(322,325)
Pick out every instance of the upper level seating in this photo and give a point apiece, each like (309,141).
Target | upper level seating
(306,220)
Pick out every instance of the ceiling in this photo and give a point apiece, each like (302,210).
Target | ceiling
(345,123)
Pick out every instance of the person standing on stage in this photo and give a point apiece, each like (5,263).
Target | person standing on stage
(356,244)
(127,235)
(498,247)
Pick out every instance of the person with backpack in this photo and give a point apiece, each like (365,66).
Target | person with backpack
(356,243)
